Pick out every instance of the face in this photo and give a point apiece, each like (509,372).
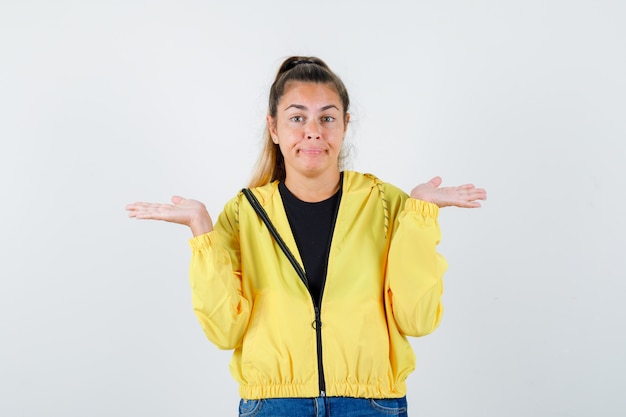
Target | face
(309,128)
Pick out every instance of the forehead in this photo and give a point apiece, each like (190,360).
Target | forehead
(299,92)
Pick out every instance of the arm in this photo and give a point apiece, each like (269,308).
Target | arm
(216,286)
(215,273)
(414,268)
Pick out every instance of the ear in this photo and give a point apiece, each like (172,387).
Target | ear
(271,126)
(345,123)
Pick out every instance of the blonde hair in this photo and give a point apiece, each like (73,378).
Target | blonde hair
(270,165)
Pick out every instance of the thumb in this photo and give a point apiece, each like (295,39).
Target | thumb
(436,181)
(176,199)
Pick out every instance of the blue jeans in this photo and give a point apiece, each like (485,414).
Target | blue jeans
(323,407)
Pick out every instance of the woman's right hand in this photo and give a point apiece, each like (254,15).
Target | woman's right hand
(190,213)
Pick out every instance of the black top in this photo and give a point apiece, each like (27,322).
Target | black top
(312,226)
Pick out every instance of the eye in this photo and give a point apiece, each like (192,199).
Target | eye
(296,119)
(328,119)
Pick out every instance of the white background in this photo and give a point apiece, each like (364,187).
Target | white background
(106,103)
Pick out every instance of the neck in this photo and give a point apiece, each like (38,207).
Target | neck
(313,189)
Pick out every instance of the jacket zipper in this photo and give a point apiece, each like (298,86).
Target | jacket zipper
(317,323)
(317,326)
(318,306)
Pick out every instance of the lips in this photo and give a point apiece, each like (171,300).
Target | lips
(312,151)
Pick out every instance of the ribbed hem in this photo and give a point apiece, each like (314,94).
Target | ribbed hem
(255,392)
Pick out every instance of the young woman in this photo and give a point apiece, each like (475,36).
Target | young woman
(318,309)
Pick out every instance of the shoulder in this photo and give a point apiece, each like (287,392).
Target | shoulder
(355,181)
(239,204)
(263,193)
(238,207)
(385,197)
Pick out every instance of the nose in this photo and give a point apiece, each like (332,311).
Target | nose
(313,130)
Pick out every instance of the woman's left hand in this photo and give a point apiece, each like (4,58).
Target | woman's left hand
(461,196)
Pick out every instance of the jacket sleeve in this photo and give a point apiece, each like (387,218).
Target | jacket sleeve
(415,269)
(216,287)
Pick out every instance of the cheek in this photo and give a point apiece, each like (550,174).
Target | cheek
(284,148)
(338,136)
(285,132)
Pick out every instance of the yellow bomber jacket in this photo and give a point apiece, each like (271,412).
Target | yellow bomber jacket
(384,282)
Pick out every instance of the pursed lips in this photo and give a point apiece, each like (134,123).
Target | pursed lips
(311,151)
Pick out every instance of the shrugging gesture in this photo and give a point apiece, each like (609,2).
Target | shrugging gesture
(248,297)
(462,196)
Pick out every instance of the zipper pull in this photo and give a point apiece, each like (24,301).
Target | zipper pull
(317,323)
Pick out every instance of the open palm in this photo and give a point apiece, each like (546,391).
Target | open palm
(183,211)
(461,196)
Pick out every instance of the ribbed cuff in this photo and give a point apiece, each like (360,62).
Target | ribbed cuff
(423,208)
(203,241)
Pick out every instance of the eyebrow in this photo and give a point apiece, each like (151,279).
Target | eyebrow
(301,107)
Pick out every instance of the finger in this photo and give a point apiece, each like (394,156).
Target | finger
(467,204)
(473,193)
(149,216)
(140,205)
(176,199)
(133,210)
(478,194)
(436,181)
(133,206)
(156,213)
